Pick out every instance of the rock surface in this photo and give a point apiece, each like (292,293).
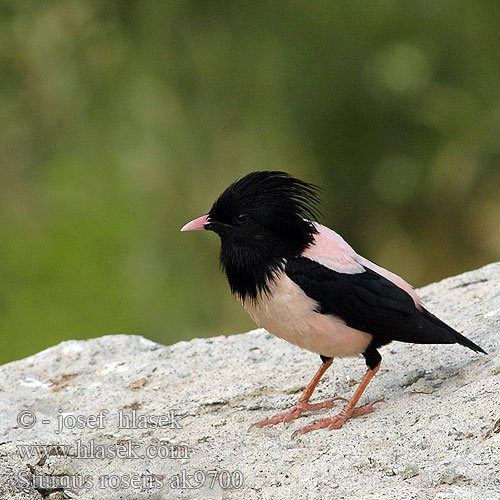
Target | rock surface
(436,436)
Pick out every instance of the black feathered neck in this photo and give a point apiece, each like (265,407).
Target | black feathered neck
(262,219)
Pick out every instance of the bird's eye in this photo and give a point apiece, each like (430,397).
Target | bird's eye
(241,218)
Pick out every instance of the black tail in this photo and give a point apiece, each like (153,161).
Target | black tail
(446,334)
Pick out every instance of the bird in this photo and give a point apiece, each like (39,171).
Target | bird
(303,283)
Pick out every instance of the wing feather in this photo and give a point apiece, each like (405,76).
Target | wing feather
(366,301)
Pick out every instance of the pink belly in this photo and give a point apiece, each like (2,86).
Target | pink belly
(290,314)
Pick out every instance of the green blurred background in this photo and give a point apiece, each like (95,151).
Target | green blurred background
(121,121)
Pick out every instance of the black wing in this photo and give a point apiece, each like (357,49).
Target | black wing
(370,302)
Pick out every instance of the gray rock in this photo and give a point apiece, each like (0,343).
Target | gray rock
(189,406)
(421,386)
(409,471)
(411,377)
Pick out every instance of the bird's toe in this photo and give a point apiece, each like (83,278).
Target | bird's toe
(296,411)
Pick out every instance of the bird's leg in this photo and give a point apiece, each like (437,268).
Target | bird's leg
(303,404)
(348,411)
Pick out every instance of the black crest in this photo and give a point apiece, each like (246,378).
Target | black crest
(262,219)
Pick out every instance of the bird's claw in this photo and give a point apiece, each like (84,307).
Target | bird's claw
(295,412)
(337,421)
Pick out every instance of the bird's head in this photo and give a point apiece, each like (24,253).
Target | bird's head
(262,219)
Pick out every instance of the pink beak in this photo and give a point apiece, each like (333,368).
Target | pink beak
(196,224)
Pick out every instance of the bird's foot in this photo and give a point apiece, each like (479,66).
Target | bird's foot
(295,412)
(338,421)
